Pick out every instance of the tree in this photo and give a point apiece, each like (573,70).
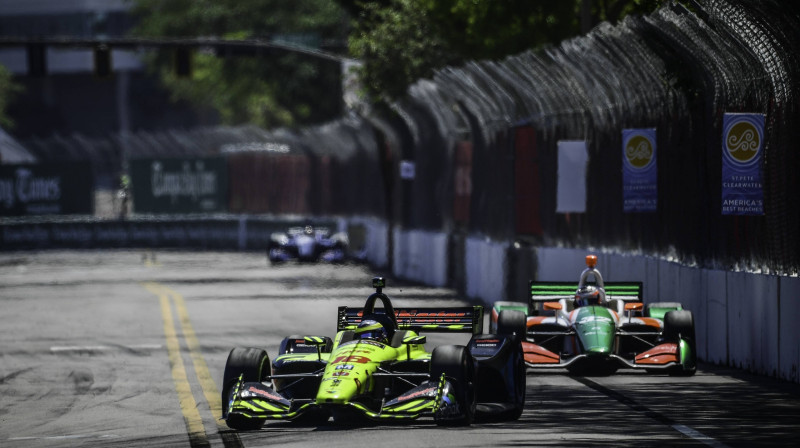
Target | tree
(270,90)
(397,45)
(400,41)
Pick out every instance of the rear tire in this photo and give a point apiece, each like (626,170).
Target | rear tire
(457,365)
(520,388)
(253,365)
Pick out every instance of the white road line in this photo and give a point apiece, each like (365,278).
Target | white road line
(66,437)
(700,437)
(103,348)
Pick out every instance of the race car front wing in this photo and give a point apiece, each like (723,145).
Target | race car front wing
(254,400)
(663,356)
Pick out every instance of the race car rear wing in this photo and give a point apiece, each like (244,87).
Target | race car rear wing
(555,291)
(467,319)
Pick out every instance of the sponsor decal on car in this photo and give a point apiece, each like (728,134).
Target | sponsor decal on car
(356,359)
(486,342)
(262,393)
(344,367)
(594,319)
(430,317)
(429,392)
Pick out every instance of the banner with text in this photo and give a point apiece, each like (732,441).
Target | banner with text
(639,170)
(179,185)
(64,188)
(742,144)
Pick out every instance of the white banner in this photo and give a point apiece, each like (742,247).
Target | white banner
(572,160)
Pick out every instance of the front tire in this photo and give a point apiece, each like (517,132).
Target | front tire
(455,362)
(253,365)
(678,327)
(512,323)
(272,254)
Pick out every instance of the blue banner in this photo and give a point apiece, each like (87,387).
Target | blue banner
(742,144)
(639,170)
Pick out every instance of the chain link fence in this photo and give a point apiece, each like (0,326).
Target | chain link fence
(675,70)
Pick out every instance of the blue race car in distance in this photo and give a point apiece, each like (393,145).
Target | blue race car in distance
(307,243)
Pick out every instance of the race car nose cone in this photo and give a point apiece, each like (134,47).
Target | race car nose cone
(598,351)
(336,391)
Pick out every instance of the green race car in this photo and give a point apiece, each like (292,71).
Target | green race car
(377,368)
(596,328)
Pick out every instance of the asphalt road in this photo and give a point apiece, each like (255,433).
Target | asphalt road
(123,349)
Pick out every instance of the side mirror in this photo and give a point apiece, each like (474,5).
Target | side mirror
(637,306)
(314,340)
(552,306)
(414,340)
(317,342)
(632,308)
(409,340)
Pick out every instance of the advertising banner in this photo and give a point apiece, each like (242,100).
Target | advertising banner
(179,185)
(65,188)
(639,170)
(742,144)
(572,160)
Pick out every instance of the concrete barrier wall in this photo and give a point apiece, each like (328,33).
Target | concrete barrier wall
(486,266)
(369,238)
(715,328)
(753,322)
(789,330)
(420,256)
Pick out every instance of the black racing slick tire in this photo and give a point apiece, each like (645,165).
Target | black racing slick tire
(512,323)
(520,385)
(458,367)
(680,325)
(253,365)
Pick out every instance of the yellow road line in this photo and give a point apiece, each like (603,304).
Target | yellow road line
(200,367)
(194,423)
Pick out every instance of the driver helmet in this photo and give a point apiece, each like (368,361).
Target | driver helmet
(589,295)
(373,330)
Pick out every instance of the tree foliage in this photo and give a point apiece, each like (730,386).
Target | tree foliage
(400,41)
(397,41)
(397,45)
(270,90)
